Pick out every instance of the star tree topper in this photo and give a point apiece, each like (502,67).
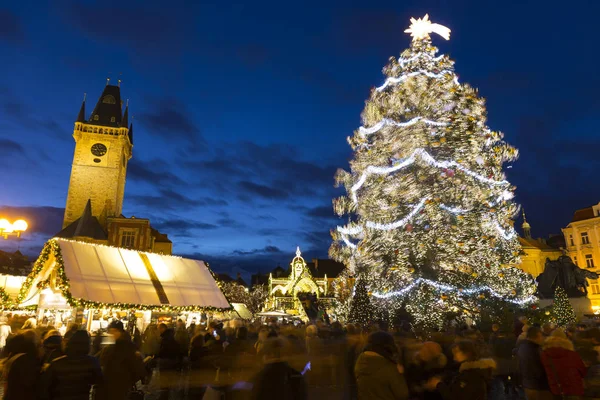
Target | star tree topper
(420,28)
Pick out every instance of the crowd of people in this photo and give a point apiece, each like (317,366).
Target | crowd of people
(277,360)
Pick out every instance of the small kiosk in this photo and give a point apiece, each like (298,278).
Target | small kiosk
(90,284)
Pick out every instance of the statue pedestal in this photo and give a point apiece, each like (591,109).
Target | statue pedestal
(581,305)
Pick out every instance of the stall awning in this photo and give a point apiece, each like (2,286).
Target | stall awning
(111,275)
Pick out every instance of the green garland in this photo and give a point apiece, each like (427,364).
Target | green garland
(62,284)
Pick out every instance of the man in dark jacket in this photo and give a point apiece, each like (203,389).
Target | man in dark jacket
(533,374)
(378,375)
(122,367)
(71,376)
(168,358)
(277,380)
(22,368)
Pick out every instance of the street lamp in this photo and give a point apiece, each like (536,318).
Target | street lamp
(16,228)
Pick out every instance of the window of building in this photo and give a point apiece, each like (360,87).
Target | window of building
(112,119)
(595,285)
(108,99)
(96,117)
(589,261)
(571,240)
(128,239)
(585,238)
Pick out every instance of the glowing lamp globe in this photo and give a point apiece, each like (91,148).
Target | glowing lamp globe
(5,226)
(20,225)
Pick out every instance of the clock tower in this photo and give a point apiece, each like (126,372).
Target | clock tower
(103,147)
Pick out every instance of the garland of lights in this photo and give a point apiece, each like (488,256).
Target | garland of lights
(425,156)
(390,122)
(393,81)
(449,288)
(52,247)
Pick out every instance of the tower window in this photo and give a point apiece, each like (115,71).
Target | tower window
(112,119)
(589,261)
(128,239)
(108,99)
(96,117)
(585,238)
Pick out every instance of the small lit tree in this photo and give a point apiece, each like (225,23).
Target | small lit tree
(361,310)
(562,309)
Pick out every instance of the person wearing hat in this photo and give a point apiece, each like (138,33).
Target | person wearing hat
(378,374)
(121,365)
(564,367)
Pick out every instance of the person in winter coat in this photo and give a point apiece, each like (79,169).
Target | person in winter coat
(564,368)
(182,338)
(21,370)
(428,362)
(378,374)
(533,373)
(277,380)
(51,347)
(121,366)
(473,378)
(70,377)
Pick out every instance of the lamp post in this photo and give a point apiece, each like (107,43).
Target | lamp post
(15,229)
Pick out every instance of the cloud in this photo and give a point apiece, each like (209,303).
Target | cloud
(44,220)
(172,200)
(154,172)
(169,119)
(181,227)
(263,191)
(144,28)
(264,250)
(25,116)
(9,147)
(10,27)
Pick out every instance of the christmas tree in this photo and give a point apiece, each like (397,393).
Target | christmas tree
(430,210)
(562,309)
(361,311)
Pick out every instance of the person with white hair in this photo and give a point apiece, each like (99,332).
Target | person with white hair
(5,331)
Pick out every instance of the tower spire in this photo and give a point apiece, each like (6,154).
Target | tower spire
(526,227)
(125,119)
(81,115)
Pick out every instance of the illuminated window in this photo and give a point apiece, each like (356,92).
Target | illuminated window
(595,286)
(128,239)
(571,240)
(108,99)
(585,238)
(589,261)
(112,119)
(96,117)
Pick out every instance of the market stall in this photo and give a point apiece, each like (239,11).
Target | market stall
(92,283)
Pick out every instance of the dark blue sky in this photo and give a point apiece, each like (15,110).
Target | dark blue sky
(241,110)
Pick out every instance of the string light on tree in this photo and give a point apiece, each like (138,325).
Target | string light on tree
(430,206)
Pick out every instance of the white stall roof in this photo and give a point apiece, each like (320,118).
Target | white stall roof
(108,275)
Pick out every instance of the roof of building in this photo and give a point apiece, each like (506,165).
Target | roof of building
(259,279)
(112,275)
(85,226)
(535,243)
(279,272)
(225,278)
(159,237)
(321,267)
(583,214)
(130,133)
(14,263)
(108,108)
(81,115)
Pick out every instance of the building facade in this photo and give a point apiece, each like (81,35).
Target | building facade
(582,236)
(103,148)
(293,292)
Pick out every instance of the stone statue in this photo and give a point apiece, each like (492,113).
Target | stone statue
(564,273)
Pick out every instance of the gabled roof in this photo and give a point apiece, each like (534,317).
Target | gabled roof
(535,243)
(107,108)
(279,272)
(85,226)
(81,115)
(159,237)
(583,214)
(114,276)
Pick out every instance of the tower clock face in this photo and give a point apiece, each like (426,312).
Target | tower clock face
(98,149)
